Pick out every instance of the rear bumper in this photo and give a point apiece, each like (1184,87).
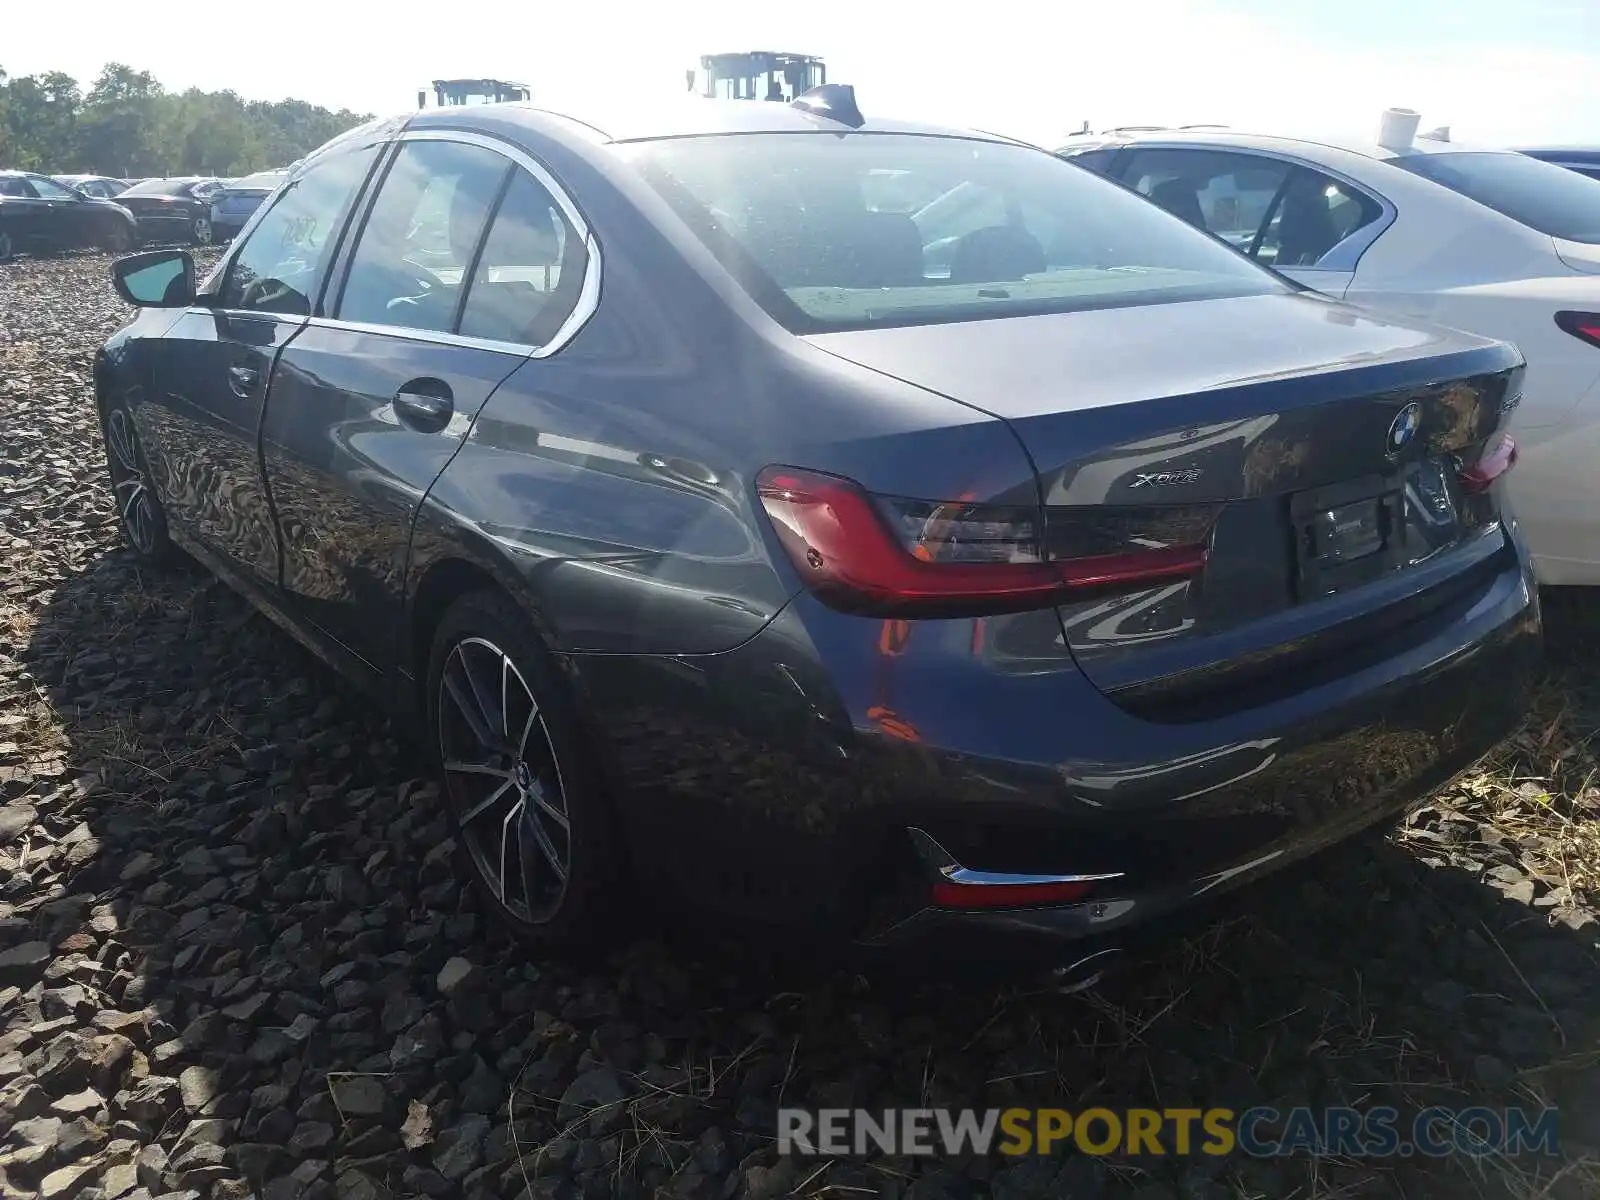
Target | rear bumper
(779,781)
(163,226)
(1126,918)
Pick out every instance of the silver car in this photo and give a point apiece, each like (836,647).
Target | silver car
(234,204)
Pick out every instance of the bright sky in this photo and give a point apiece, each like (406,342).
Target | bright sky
(1494,70)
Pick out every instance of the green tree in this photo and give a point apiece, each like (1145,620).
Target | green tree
(128,124)
(42,117)
(5,123)
(119,125)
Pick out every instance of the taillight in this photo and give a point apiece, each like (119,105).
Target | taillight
(1581,325)
(889,556)
(950,893)
(1494,462)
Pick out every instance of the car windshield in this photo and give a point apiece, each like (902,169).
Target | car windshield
(828,232)
(159,187)
(1551,199)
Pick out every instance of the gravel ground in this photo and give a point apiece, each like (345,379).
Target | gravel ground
(235,958)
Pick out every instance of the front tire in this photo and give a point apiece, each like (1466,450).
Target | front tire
(139,512)
(8,245)
(532,819)
(118,239)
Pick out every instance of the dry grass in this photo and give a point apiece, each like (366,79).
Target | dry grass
(1539,792)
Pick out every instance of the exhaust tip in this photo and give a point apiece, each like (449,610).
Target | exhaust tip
(1085,973)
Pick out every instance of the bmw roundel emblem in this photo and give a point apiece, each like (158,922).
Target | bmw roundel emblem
(1404,427)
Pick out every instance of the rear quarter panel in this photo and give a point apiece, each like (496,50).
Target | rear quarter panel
(612,481)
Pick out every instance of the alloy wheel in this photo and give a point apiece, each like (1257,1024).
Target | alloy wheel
(135,504)
(202,231)
(504,780)
(7,248)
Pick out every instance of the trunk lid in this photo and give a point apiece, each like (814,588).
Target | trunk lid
(242,200)
(153,205)
(1313,448)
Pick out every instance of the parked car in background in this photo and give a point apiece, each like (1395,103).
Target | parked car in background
(1583,159)
(1487,240)
(232,204)
(103,187)
(37,213)
(172,210)
(1028,595)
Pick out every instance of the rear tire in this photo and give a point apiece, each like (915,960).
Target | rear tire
(533,824)
(8,247)
(200,231)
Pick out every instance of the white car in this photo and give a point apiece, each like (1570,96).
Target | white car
(1490,241)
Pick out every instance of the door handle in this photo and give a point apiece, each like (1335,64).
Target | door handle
(425,405)
(242,381)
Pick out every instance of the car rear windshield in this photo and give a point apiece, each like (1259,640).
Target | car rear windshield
(1551,199)
(870,229)
(159,187)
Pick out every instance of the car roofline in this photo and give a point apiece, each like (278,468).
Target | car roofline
(696,116)
(1361,147)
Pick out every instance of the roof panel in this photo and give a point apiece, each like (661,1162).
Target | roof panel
(679,116)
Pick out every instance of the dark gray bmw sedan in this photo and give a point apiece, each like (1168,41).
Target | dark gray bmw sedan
(864,529)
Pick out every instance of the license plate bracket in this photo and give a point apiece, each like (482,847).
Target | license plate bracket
(1347,534)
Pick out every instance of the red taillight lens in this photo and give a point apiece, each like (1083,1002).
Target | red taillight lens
(1495,461)
(948,893)
(1582,325)
(887,556)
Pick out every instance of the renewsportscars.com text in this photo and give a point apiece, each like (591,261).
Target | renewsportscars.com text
(1259,1132)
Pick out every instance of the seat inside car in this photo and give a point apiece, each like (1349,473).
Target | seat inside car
(1305,229)
(1180,198)
(995,253)
(388,285)
(527,280)
(834,241)
(888,250)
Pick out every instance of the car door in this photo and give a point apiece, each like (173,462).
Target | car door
(202,426)
(25,214)
(373,399)
(69,222)
(1288,215)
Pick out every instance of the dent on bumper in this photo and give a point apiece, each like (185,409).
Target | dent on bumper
(761,781)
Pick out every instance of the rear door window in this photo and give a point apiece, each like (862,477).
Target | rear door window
(1314,214)
(1278,212)
(529,276)
(1232,195)
(49,189)
(421,236)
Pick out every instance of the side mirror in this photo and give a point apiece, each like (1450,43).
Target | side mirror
(155,279)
